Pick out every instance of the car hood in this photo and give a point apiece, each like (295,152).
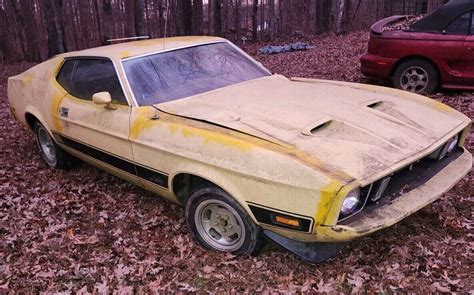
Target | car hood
(356,129)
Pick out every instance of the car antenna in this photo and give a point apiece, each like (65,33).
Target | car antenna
(155,116)
(128,39)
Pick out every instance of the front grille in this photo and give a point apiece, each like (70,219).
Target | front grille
(401,182)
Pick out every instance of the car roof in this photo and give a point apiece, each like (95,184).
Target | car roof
(130,49)
(441,18)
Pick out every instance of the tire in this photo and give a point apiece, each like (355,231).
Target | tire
(217,222)
(53,154)
(416,75)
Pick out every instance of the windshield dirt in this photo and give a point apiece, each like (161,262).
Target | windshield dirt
(189,71)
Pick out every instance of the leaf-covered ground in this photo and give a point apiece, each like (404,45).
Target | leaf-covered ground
(86,231)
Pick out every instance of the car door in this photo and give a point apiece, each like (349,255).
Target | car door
(98,133)
(454,52)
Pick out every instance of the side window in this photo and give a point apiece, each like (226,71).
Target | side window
(96,75)
(65,75)
(461,25)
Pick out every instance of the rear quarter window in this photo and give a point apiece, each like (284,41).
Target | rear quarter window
(64,77)
(461,25)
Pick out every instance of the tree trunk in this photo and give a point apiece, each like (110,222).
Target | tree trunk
(140,20)
(3,35)
(217,18)
(130,18)
(434,4)
(28,20)
(340,15)
(197,16)
(238,20)
(51,15)
(347,15)
(187,17)
(225,17)
(387,8)
(271,18)
(323,11)
(254,19)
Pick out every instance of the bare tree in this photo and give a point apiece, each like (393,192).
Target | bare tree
(340,15)
(217,17)
(130,18)
(197,16)
(323,8)
(271,18)
(187,17)
(254,19)
(237,19)
(140,24)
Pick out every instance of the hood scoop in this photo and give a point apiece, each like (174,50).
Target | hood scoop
(374,104)
(391,111)
(316,128)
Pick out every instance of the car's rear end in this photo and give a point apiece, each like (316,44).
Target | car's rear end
(381,56)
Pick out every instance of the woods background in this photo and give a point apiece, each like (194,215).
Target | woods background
(34,30)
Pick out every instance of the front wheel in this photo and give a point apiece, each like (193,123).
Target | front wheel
(417,76)
(219,223)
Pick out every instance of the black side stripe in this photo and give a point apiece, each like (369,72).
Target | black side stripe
(145,173)
(99,155)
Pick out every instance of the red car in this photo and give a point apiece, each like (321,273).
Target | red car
(437,50)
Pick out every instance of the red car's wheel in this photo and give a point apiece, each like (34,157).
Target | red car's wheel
(417,76)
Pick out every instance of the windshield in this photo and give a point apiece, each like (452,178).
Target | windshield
(189,71)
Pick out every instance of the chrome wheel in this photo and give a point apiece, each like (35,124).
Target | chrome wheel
(414,79)
(219,225)
(47,146)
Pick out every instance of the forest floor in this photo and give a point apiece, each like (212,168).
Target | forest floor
(84,230)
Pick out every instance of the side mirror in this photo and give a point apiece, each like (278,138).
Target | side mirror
(103,98)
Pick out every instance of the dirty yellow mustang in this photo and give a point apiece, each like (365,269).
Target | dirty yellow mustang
(307,163)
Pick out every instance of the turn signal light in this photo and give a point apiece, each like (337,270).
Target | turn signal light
(287,221)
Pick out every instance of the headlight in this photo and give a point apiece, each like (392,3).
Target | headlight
(350,202)
(445,149)
(453,143)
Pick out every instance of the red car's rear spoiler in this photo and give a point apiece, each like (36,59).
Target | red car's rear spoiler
(377,28)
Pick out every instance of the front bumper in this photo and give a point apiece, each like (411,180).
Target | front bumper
(377,67)
(403,206)
(393,211)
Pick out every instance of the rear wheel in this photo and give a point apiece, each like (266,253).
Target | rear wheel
(416,75)
(54,155)
(219,223)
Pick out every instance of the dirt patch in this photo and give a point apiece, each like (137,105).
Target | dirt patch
(84,230)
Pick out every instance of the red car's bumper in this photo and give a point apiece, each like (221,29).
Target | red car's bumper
(375,66)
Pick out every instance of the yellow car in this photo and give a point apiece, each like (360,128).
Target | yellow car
(307,163)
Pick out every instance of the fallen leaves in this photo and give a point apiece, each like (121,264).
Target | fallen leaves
(85,231)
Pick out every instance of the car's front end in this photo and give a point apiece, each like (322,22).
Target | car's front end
(361,209)
(385,153)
